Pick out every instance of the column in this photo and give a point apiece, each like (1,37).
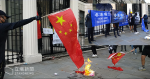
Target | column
(74,7)
(30,43)
(143,9)
(129,8)
(2,5)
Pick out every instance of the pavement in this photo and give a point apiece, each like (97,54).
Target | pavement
(65,68)
(126,38)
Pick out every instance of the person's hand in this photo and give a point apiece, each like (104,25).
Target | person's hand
(37,17)
(132,50)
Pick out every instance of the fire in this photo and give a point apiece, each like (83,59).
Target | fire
(88,71)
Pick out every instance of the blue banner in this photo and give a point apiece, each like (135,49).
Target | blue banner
(124,23)
(143,26)
(100,17)
(118,16)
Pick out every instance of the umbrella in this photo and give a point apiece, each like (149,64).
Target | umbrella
(104,7)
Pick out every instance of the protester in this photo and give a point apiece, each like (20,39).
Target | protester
(145,21)
(93,47)
(135,51)
(130,21)
(88,24)
(136,46)
(4,28)
(112,48)
(116,25)
(136,22)
(107,30)
(146,52)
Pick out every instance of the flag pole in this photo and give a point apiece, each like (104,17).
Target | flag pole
(55,12)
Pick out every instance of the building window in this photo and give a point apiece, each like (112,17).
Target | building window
(149,10)
(121,7)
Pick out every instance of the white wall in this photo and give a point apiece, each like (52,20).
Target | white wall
(2,5)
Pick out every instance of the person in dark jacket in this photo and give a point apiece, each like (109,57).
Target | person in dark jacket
(130,20)
(107,30)
(145,52)
(89,26)
(135,22)
(116,26)
(4,28)
(145,20)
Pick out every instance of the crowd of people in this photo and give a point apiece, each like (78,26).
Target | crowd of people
(133,21)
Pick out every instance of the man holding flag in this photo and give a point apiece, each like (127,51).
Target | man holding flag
(4,28)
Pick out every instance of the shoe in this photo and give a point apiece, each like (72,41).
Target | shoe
(135,33)
(141,69)
(94,55)
(134,53)
(123,32)
(115,36)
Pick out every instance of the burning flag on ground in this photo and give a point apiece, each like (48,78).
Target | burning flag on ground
(65,25)
(115,58)
(87,71)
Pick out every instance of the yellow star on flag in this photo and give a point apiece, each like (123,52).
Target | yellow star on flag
(60,20)
(65,33)
(60,31)
(70,30)
(71,25)
(119,54)
(39,22)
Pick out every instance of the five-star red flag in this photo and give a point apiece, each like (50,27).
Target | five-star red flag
(39,28)
(65,26)
(116,57)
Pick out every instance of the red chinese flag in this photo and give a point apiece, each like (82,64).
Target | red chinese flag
(39,28)
(65,26)
(116,57)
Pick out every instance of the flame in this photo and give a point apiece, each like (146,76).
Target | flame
(88,71)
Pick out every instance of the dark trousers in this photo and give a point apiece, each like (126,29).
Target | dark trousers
(90,34)
(116,29)
(2,70)
(107,29)
(122,47)
(40,44)
(121,28)
(135,28)
(146,25)
(140,48)
(115,50)
(93,48)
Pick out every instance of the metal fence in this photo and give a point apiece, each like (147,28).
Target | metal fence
(46,7)
(98,30)
(14,50)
